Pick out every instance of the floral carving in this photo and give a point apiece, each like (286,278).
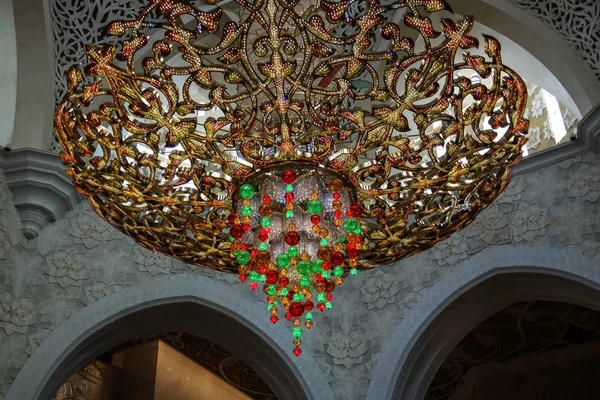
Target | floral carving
(451,250)
(91,230)
(58,304)
(529,222)
(347,348)
(380,290)
(66,267)
(15,314)
(585,183)
(152,262)
(53,236)
(12,358)
(27,273)
(538,105)
(99,290)
(535,137)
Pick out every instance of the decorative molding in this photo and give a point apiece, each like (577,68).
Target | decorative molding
(197,305)
(588,140)
(42,192)
(483,285)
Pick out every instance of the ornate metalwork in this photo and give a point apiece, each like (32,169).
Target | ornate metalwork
(425,147)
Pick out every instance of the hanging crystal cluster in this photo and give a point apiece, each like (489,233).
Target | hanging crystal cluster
(296,231)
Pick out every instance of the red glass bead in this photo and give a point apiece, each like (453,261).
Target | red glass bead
(326,266)
(328,296)
(336,196)
(320,278)
(290,295)
(288,316)
(358,239)
(243,246)
(321,306)
(337,258)
(288,177)
(351,250)
(231,218)
(292,238)
(337,213)
(356,210)
(266,199)
(289,196)
(274,319)
(236,231)
(284,281)
(297,351)
(242,278)
(246,227)
(272,277)
(263,270)
(262,237)
(254,252)
(253,285)
(349,213)
(315,219)
(309,305)
(296,309)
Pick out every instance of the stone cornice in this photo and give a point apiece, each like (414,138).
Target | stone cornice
(588,140)
(42,192)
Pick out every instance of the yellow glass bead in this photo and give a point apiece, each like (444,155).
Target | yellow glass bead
(297,322)
(271,299)
(353,262)
(351,237)
(294,260)
(274,310)
(337,247)
(278,293)
(296,288)
(308,296)
(297,342)
(246,220)
(291,227)
(308,324)
(324,232)
(304,291)
(237,220)
(289,206)
(285,301)
(314,196)
(304,256)
(339,280)
(246,202)
(337,222)
(286,307)
(316,228)
(283,273)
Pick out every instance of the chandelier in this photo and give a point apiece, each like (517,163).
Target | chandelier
(292,142)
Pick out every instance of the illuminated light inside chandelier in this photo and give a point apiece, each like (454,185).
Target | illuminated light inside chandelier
(222,133)
(296,231)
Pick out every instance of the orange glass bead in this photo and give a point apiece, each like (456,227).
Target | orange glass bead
(289,206)
(265,210)
(291,227)
(308,296)
(246,202)
(274,310)
(335,185)
(353,262)
(283,272)
(316,228)
(297,321)
(294,260)
(337,247)
(314,196)
(308,324)
(351,237)
(297,342)
(304,256)
(337,204)
(337,222)
(339,280)
(330,286)
(324,232)
(271,299)
(263,258)
(237,221)
(320,286)
(246,220)
(285,301)
(324,253)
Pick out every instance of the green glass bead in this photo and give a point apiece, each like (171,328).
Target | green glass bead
(269,306)
(247,191)
(304,281)
(358,230)
(254,276)
(350,224)
(324,242)
(263,246)
(231,239)
(272,290)
(308,315)
(289,214)
(317,269)
(315,207)
(341,240)
(297,332)
(326,274)
(265,222)
(297,296)
(284,292)
(304,267)
(353,271)
(262,278)
(282,260)
(338,271)
(328,305)
(319,262)
(289,188)
(321,297)
(246,211)
(293,251)
(242,257)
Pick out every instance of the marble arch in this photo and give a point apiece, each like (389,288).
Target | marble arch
(193,304)
(485,284)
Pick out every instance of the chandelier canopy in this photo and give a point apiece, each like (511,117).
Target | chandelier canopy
(292,141)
